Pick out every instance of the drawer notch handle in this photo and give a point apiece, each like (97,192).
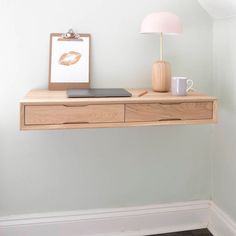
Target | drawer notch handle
(85,105)
(74,123)
(173,103)
(170,119)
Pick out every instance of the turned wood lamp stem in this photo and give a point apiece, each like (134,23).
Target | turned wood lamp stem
(161,46)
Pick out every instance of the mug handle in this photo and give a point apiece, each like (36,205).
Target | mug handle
(190,85)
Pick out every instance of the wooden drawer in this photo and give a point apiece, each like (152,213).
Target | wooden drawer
(169,111)
(63,114)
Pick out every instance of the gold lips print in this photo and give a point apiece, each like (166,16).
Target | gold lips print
(69,58)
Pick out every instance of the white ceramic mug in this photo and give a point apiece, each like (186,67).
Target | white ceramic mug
(180,86)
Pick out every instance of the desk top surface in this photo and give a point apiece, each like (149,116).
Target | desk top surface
(46,96)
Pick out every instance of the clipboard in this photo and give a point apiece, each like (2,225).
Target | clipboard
(69,60)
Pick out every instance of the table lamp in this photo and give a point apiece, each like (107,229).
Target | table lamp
(162,23)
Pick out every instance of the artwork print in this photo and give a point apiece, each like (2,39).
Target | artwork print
(69,62)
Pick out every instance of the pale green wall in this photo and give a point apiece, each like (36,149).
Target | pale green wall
(100,168)
(224,143)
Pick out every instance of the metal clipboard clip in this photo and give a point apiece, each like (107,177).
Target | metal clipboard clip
(70,36)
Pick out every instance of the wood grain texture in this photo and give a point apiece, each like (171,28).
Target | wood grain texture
(168,111)
(43,110)
(215,111)
(59,97)
(116,125)
(22,115)
(161,76)
(61,114)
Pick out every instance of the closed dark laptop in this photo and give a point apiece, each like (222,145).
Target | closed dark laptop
(97,93)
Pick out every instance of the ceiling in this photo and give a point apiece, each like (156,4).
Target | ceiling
(219,8)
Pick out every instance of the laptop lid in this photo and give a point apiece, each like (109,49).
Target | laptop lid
(97,93)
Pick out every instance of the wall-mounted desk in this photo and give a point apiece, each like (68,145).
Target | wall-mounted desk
(43,109)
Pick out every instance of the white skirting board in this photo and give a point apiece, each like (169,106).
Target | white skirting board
(221,224)
(134,221)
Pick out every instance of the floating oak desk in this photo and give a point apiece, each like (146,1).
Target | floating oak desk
(43,109)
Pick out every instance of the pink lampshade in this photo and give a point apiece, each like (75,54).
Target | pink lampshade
(162,22)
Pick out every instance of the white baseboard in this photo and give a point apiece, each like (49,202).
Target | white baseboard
(135,221)
(221,224)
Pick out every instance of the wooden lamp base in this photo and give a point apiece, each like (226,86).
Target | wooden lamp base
(161,76)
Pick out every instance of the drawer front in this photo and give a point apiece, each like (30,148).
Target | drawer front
(62,114)
(167,111)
